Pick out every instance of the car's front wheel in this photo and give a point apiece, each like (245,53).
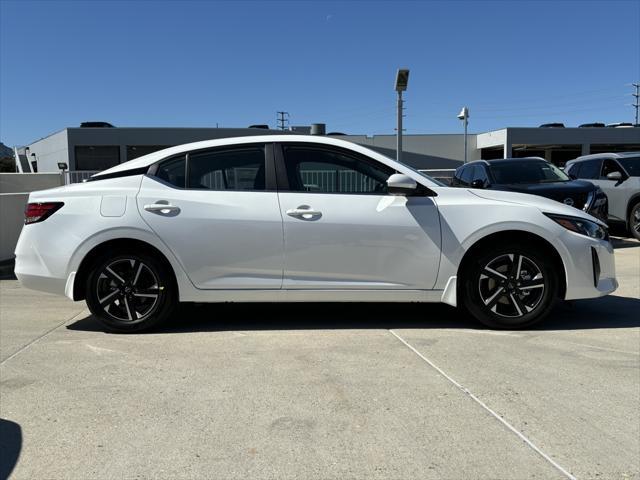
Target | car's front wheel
(510,287)
(130,292)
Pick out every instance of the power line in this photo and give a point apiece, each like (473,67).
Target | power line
(283,120)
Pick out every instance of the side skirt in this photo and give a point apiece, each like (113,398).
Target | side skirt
(221,296)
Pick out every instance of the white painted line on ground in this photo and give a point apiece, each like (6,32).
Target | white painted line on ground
(24,347)
(484,406)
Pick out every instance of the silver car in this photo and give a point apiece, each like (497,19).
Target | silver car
(618,175)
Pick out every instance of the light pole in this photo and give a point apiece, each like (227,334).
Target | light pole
(464,116)
(402,80)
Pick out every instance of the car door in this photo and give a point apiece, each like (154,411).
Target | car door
(617,191)
(343,230)
(218,211)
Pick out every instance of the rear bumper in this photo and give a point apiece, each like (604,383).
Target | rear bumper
(42,283)
(39,265)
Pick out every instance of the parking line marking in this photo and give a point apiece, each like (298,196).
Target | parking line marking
(24,347)
(485,407)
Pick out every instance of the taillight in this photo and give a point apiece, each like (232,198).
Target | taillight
(38,212)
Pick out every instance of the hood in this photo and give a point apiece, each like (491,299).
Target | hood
(542,203)
(551,189)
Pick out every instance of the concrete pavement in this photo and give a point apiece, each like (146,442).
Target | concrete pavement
(322,391)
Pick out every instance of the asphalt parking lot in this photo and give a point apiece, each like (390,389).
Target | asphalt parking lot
(322,391)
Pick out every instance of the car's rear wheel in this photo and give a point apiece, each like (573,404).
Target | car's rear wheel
(634,221)
(130,292)
(510,287)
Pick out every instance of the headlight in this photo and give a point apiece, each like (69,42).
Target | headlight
(590,198)
(580,225)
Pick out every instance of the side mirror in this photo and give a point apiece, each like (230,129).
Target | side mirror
(477,184)
(400,184)
(617,176)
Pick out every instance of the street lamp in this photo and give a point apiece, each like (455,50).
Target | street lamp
(402,80)
(464,116)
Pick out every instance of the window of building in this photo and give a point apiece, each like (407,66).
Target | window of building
(97,157)
(234,169)
(312,169)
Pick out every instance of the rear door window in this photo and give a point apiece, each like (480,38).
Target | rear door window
(240,168)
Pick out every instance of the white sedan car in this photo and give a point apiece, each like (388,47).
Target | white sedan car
(291,218)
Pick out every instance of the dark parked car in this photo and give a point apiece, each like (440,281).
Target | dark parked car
(534,176)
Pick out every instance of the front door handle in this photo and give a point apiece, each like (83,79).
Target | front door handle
(304,212)
(162,207)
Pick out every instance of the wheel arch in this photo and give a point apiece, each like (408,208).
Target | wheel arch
(516,237)
(116,245)
(635,199)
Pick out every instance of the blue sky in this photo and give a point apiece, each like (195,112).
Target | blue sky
(198,63)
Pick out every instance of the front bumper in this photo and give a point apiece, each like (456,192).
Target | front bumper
(590,267)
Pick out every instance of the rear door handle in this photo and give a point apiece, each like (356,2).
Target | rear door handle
(304,212)
(164,208)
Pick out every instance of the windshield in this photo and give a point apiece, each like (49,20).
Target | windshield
(527,172)
(631,165)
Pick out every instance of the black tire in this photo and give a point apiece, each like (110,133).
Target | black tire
(130,292)
(634,221)
(491,292)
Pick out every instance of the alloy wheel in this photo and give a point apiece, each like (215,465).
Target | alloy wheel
(128,290)
(635,221)
(511,285)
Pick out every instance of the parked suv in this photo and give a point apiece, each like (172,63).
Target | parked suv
(535,176)
(618,175)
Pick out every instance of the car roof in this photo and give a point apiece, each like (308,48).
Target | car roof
(504,161)
(596,156)
(151,158)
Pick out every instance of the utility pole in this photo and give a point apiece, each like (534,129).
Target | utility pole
(399,135)
(637,96)
(402,80)
(464,116)
(283,120)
